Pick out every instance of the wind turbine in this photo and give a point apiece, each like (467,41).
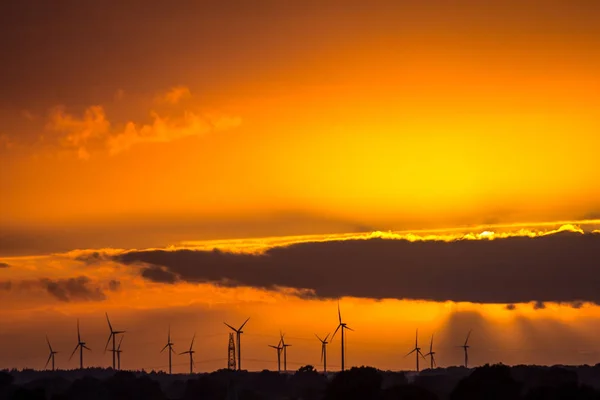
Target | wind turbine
(416,350)
(324,343)
(343,326)
(278,348)
(113,335)
(170,346)
(191,353)
(238,333)
(80,345)
(431,354)
(284,346)
(119,351)
(466,349)
(51,356)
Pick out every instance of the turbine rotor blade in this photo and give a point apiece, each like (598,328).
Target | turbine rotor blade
(120,341)
(327,336)
(339,312)
(347,327)
(192,344)
(242,327)
(412,351)
(76,347)
(109,325)
(163,349)
(336,329)
(468,335)
(48,341)
(85,347)
(108,341)
(320,340)
(431,344)
(78,333)
(48,362)
(232,328)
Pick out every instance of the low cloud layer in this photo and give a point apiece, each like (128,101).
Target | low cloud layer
(80,288)
(557,268)
(4,265)
(74,289)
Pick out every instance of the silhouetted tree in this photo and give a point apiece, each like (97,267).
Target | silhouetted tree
(488,382)
(408,392)
(362,383)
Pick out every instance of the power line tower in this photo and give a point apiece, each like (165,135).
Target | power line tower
(231,354)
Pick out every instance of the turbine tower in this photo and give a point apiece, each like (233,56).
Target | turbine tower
(113,336)
(119,351)
(343,326)
(80,345)
(51,356)
(466,349)
(191,353)
(324,343)
(284,346)
(278,348)
(238,333)
(170,346)
(431,354)
(416,350)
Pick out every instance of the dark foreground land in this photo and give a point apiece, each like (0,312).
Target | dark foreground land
(364,383)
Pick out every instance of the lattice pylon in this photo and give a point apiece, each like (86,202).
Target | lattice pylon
(231,364)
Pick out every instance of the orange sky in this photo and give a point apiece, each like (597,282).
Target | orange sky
(203,122)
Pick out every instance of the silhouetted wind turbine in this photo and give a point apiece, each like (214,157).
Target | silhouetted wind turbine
(343,326)
(113,335)
(51,356)
(416,350)
(238,333)
(284,346)
(431,353)
(191,353)
(324,343)
(170,346)
(119,351)
(80,345)
(278,348)
(466,349)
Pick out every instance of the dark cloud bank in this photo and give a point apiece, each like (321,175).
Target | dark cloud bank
(79,288)
(562,267)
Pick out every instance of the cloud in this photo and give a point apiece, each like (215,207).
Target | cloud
(92,258)
(5,285)
(159,274)
(556,268)
(511,307)
(175,95)
(93,130)
(4,265)
(73,289)
(114,285)
(79,132)
(169,128)
(539,305)
(6,142)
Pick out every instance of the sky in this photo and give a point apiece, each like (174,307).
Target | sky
(426,164)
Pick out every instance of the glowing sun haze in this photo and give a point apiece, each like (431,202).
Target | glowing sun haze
(433,165)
